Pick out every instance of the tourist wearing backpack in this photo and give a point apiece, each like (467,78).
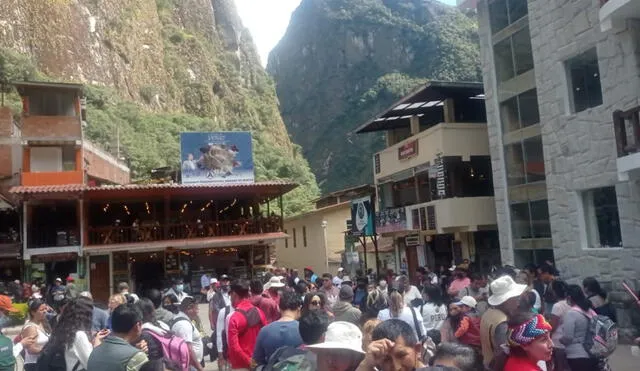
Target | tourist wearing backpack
(116,352)
(575,328)
(161,342)
(184,328)
(244,325)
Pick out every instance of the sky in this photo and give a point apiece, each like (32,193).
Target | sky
(268,20)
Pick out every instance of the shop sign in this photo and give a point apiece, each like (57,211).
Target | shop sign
(440,176)
(391,220)
(413,240)
(408,150)
(362,217)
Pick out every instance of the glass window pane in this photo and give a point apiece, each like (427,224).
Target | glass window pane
(503,60)
(498,15)
(521,221)
(522,51)
(534,159)
(540,219)
(528,104)
(605,204)
(585,80)
(517,10)
(515,164)
(509,115)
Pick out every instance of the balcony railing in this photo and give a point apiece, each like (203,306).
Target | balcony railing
(621,121)
(55,237)
(181,231)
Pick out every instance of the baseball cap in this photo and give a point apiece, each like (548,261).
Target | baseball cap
(468,301)
(340,269)
(224,277)
(70,279)
(58,279)
(213,281)
(6,304)
(346,292)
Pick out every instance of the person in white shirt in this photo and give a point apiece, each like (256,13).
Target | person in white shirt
(36,325)
(434,311)
(177,289)
(222,325)
(410,292)
(337,279)
(399,310)
(184,328)
(73,333)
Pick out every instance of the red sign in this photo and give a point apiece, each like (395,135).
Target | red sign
(408,150)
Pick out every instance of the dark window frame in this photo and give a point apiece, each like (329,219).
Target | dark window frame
(580,68)
(531,227)
(515,62)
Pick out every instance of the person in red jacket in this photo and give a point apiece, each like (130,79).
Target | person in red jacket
(244,325)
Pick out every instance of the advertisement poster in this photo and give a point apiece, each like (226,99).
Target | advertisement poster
(362,217)
(222,157)
(391,220)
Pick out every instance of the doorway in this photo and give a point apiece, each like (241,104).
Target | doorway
(147,272)
(59,269)
(99,278)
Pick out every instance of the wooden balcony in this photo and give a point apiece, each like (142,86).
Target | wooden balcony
(626,125)
(153,232)
(52,178)
(53,237)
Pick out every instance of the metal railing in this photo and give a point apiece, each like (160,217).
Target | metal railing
(181,231)
(621,121)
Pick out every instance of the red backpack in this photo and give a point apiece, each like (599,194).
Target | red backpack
(472,336)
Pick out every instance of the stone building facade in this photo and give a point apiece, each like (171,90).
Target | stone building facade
(567,73)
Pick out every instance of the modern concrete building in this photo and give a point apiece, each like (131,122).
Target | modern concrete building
(555,74)
(433,181)
(317,238)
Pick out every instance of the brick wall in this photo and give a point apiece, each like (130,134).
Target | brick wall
(99,164)
(51,127)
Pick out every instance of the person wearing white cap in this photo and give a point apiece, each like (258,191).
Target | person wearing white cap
(273,287)
(341,349)
(504,301)
(337,279)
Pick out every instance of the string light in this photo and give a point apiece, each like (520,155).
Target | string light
(106,207)
(126,208)
(146,204)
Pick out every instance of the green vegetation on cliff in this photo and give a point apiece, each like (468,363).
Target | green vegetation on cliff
(356,57)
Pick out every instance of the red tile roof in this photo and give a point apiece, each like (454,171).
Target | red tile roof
(285,186)
(66,188)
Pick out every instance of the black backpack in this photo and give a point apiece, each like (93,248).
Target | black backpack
(52,359)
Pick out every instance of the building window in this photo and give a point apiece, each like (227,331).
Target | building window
(513,55)
(520,111)
(525,161)
(584,81)
(46,103)
(530,220)
(304,236)
(505,12)
(286,240)
(295,242)
(602,220)
(69,158)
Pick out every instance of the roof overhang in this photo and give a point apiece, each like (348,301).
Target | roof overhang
(35,85)
(426,100)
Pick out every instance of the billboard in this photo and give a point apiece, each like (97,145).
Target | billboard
(362,217)
(220,157)
(391,220)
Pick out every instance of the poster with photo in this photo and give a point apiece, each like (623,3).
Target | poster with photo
(216,157)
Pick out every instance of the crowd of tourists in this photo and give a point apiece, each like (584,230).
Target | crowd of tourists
(457,319)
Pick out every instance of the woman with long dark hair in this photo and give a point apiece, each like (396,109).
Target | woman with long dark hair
(574,330)
(433,311)
(558,312)
(73,332)
(315,301)
(37,326)
(151,326)
(598,298)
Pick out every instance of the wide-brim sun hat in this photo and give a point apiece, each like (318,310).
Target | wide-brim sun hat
(504,288)
(341,335)
(274,282)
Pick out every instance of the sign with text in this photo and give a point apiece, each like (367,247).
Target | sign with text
(441,185)
(362,217)
(391,220)
(216,157)
(408,150)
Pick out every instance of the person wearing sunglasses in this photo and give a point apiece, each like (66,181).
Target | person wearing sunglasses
(316,301)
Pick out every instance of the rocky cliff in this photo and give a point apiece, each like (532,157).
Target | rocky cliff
(343,61)
(155,68)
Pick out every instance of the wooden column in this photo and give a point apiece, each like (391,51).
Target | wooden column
(449,111)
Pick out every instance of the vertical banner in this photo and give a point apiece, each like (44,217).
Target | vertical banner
(362,217)
(221,157)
